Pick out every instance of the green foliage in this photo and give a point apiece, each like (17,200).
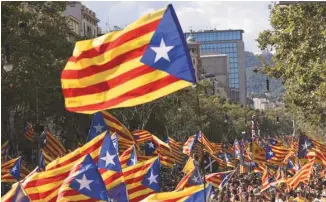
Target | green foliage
(36,35)
(299,40)
(179,116)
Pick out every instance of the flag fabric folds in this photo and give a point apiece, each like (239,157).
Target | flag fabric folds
(52,146)
(15,194)
(83,183)
(128,157)
(115,126)
(29,132)
(134,177)
(176,148)
(192,178)
(12,170)
(142,136)
(226,179)
(216,178)
(265,180)
(97,127)
(258,153)
(111,172)
(303,175)
(4,151)
(147,60)
(190,194)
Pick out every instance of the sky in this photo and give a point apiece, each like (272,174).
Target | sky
(251,16)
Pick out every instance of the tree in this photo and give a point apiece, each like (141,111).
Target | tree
(34,35)
(299,40)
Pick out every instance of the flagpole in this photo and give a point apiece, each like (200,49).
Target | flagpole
(202,145)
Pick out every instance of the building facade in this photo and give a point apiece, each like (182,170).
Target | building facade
(82,21)
(217,66)
(194,49)
(230,43)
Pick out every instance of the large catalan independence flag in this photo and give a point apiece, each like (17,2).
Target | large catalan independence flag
(147,60)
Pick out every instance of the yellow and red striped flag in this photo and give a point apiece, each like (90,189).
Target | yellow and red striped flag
(142,136)
(208,146)
(319,157)
(216,178)
(7,167)
(115,126)
(52,146)
(47,158)
(183,182)
(193,193)
(4,151)
(303,175)
(258,153)
(265,180)
(29,131)
(147,60)
(44,186)
(126,157)
(176,148)
(164,152)
(133,176)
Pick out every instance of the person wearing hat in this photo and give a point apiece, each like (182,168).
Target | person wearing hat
(299,197)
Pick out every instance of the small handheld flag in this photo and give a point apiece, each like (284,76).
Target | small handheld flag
(88,181)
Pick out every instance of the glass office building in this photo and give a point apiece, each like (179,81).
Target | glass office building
(230,43)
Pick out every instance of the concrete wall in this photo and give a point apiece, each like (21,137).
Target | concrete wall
(218,66)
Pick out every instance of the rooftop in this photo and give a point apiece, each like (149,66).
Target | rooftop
(213,30)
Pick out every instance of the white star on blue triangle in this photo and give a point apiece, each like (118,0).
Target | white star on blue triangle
(97,127)
(152,177)
(108,158)
(168,50)
(88,181)
(15,170)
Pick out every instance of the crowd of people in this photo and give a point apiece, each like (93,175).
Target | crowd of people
(247,188)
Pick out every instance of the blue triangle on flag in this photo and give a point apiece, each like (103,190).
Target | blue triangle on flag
(20,195)
(88,181)
(133,157)
(168,50)
(15,170)
(200,195)
(152,177)
(195,178)
(150,147)
(108,158)
(98,126)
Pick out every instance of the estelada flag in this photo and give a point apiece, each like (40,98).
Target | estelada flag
(147,60)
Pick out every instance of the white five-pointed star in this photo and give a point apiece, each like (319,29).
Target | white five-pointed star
(108,159)
(162,51)
(14,169)
(305,146)
(195,179)
(152,178)
(150,145)
(98,128)
(270,153)
(133,160)
(84,183)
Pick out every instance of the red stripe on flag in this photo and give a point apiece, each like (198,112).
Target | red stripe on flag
(132,34)
(95,69)
(143,90)
(109,84)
